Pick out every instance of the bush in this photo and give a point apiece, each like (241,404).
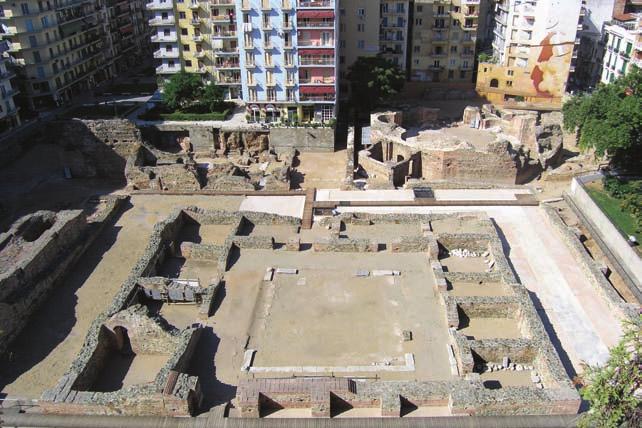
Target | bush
(629,194)
(194,112)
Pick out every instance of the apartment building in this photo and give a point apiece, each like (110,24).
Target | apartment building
(444,37)
(623,40)
(534,49)
(66,47)
(278,56)
(393,31)
(9,115)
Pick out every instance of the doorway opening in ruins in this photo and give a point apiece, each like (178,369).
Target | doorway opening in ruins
(123,344)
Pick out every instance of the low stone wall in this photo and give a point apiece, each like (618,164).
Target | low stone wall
(302,139)
(174,393)
(413,244)
(345,245)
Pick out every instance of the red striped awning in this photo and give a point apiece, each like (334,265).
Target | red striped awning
(315,14)
(316,51)
(316,90)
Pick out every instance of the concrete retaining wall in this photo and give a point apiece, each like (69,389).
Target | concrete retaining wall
(627,256)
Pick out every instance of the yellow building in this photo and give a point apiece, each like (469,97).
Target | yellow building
(533,51)
(444,34)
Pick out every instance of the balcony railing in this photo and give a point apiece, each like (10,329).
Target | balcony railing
(317,81)
(317,98)
(162,21)
(167,69)
(311,61)
(316,4)
(308,23)
(316,44)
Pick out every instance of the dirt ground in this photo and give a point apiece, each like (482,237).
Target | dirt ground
(488,289)
(503,379)
(319,170)
(35,181)
(490,328)
(53,337)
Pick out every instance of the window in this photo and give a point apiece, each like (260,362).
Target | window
(420,8)
(188,63)
(462,74)
(416,49)
(327,113)
(510,72)
(184,32)
(451,74)
(361,28)
(509,83)
(271,95)
(361,44)
(361,12)
(24,7)
(186,48)
(181,15)
(494,83)
(36,57)
(419,21)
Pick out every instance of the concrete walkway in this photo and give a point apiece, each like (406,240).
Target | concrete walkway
(282,205)
(575,315)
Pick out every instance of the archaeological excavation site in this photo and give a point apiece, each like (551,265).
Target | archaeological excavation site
(230,275)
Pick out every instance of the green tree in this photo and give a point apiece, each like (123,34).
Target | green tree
(212,97)
(614,391)
(609,120)
(182,89)
(373,80)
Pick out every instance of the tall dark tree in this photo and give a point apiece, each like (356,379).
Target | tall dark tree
(609,120)
(373,81)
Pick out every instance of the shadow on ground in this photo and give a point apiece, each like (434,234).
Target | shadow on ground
(55,319)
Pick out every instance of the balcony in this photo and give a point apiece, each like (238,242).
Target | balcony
(316,4)
(194,5)
(228,80)
(162,53)
(226,51)
(316,62)
(155,22)
(316,23)
(224,34)
(215,3)
(197,38)
(248,27)
(228,65)
(316,43)
(157,5)
(200,54)
(160,38)
(223,19)
(328,98)
(167,69)
(325,81)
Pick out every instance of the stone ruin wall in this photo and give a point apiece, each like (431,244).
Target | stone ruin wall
(28,280)
(465,395)
(116,149)
(174,392)
(539,147)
